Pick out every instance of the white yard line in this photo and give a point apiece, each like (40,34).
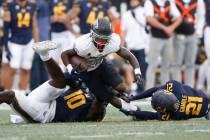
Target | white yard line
(14,138)
(118,135)
(197,130)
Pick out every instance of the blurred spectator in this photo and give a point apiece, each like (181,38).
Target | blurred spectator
(20,18)
(5,69)
(207,42)
(38,71)
(134,35)
(90,10)
(59,31)
(186,39)
(1,40)
(163,17)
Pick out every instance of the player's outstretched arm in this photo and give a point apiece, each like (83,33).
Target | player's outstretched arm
(145,94)
(126,54)
(142,115)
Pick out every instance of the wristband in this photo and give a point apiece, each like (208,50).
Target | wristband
(69,68)
(137,71)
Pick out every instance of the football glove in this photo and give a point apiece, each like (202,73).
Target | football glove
(138,77)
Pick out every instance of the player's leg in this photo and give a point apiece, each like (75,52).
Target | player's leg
(54,87)
(26,64)
(207,47)
(15,62)
(102,81)
(28,109)
(165,61)
(153,55)
(190,57)
(178,55)
(40,104)
(202,75)
(4,69)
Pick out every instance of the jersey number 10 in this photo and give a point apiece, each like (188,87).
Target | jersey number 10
(75,99)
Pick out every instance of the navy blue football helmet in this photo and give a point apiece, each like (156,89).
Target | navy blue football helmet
(164,101)
(101,31)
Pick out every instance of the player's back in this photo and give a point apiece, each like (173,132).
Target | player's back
(21,22)
(193,103)
(73,105)
(89,13)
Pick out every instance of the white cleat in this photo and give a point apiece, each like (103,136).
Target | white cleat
(44,46)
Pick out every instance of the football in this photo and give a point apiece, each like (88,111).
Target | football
(78,63)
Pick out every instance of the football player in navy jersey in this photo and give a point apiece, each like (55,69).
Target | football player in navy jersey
(20,20)
(59,32)
(53,101)
(90,10)
(173,101)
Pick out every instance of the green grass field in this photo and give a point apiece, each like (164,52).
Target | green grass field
(115,126)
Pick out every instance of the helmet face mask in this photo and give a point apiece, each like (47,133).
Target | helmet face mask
(101,41)
(101,32)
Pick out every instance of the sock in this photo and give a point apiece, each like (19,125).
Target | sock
(128,107)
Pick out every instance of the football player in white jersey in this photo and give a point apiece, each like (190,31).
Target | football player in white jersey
(101,76)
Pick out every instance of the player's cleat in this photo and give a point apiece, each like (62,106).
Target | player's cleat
(44,46)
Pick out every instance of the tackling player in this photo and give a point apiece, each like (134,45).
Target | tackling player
(51,102)
(20,19)
(173,101)
(101,76)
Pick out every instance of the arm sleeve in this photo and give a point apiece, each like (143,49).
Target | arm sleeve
(145,94)
(145,115)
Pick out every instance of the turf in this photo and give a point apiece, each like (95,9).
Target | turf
(115,126)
